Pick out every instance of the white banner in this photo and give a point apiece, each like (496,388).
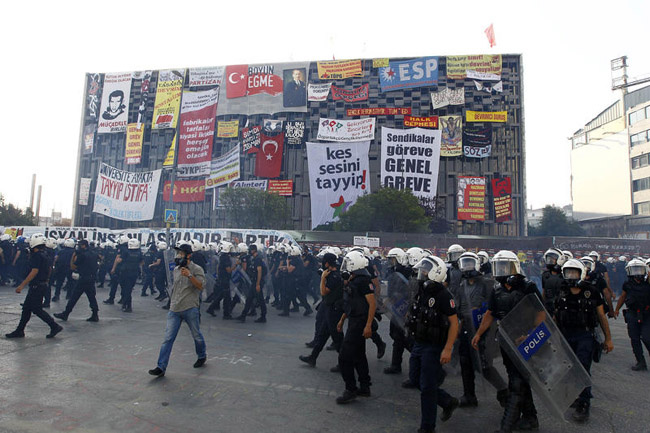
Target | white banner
(482,75)
(489,87)
(318,92)
(346,130)
(114,110)
(84,190)
(126,195)
(338,175)
(206,76)
(410,159)
(448,96)
(260,184)
(224,169)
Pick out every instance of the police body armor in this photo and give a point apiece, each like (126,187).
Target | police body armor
(552,284)
(578,312)
(505,300)
(424,320)
(354,303)
(131,263)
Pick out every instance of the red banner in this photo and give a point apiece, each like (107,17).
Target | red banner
(357,95)
(236,81)
(378,111)
(281,187)
(421,122)
(502,193)
(186,191)
(197,133)
(268,162)
(471,198)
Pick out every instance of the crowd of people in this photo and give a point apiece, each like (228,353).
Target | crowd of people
(438,309)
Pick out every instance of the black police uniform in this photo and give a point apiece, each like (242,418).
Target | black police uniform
(147,272)
(428,324)
(131,260)
(577,317)
(552,284)
(400,339)
(331,309)
(353,348)
(21,268)
(34,299)
(160,275)
(48,290)
(253,262)
(222,287)
(520,398)
(5,263)
(637,316)
(62,272)
(86,263)
(116,276)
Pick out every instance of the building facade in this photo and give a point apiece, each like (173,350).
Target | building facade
(484,93)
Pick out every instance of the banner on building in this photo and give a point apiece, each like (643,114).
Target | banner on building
(405,74)
(84,190)
(452,134)
(271,126)
(126,195)
(458,66)
(196,133)
(224,169)
(260,184)
(89,139)
(294,134)
(410,159)
(338,176)
(447,96)
(92,94)
(186,191)
(489,87)
(318,92)
(346,130)
(264,89)
(340,69)
(486,116)
(228,129)
(200,77)
(471,198)
(144,77)
(356,95)
(421,122)
(115,103)
(134,136)
(268,162)
(477,141)
(502,193)
(380,63)
(378,111)
(169,159)
(168,98)
(281,187)
(251,139)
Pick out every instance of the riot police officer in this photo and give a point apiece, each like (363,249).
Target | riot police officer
(84,264)
(433,324)
(222,286)
(512,288)
(130,259)
(454,274)
(160,271)
(486,266)
(6,258)
(636,297)
(256,270)
(116,268)
(552,277)
(400,271)
(62,270)
(147,271)
(578,310)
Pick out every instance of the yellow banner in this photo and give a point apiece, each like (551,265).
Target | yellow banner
(487,116)
(169,159)
(228,129)
(134,135)
(379,63)
(340,69)
(457,66)
(168,99)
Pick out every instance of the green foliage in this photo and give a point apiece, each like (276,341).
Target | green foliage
(387,210)
(253,208)
(10,215)
(555,223)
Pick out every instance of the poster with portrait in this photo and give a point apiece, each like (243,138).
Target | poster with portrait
(452,135)
(114,110)
(295,87)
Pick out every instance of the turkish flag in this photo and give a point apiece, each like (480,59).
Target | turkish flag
(489,32)
(268,162)
(237,81)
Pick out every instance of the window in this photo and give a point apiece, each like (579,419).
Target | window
(639,138)
(638,115)
(641,184)
(642,208)
(641,161)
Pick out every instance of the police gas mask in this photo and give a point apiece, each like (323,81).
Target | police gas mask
(468,266)
(571,276)
(345,275)
(181,259)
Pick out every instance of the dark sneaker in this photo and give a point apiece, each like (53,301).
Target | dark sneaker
(211,312)
(260,320)
(310,345)
(61,316)
(241,318)
(54,331)
(143,294)
(55,299)
(449,410)
(16,334)
(157,372)
(363,392)
(346,397)
(581,414)
(308,360)
(531,422)
(295,310)
(93,318)
(468,401)
(335,369)
(393,369)
(107,301)
(408,384)
(381,349)
(640,366)
(199,362)
(331,347)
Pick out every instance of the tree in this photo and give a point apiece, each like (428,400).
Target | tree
(10,215)
(555,223)
(253,208)
(387,210)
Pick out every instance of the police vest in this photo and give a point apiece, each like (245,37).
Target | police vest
(577,311)
(424,320)
(637,295)
(552,284)
(354,302)
(131,261)
(505,300)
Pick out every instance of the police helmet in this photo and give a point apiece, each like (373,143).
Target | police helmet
(337,251)
(68,243)
(122,239)
(133,244)
(294,251)
(50,243)
(594,255)
(483,257)
(376,254)
(355,262)
(242,247)
(573,271)
(414,255)
(5,237)
(468,262)
(622,259)
(589,263)
(397,256)
(636,268)
(431,268)
(554,257)
(454,252)
(36,240)
(568,254)
(505,263)
(162,246)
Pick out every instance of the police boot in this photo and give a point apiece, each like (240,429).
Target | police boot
(393,369)
(468,401)
(310,360)
(502,397)
(640,366)
(62,316)
(581,414)
(528,419)
(510,414)
(93,318)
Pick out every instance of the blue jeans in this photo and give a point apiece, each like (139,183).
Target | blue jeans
(191,317)
(425,371)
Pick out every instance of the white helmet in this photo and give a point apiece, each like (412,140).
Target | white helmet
(554,256)
(260,247)
(376,254)
(647,263)
(355,261)
(36,240)
(133,244)
(5,237)
(483,257)
(594,255)
(69,243)
(636,267)
(469,261)
(589,263)
(622,259)
(336,251)
(568,254)
(205,247)
(196,245)
(242,247)
(505,263)
(399,255)
(414,255)
(122,239)
(162,246)
(432,268)
(213,246)
(294,251)
(366,251)
(574,270)
(50,243)
(227,247)
(454,252)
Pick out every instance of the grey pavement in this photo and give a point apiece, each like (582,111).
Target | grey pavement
(93,378)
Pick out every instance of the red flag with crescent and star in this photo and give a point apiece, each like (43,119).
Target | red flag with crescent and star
(268,162)
(236,81)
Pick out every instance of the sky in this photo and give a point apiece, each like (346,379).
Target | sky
(47,48)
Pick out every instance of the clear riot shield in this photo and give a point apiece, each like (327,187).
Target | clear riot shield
(395,301)
(240,283)
(540,352)
(169,255)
